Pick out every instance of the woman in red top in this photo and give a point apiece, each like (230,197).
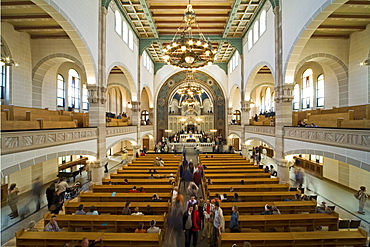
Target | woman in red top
(196,225)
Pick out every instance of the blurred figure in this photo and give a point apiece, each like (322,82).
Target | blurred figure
(36,190)
(174,223)
(31,227)
(50,194)
(299,177)
(13,200)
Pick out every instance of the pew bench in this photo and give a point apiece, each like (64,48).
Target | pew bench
(288,207)
(295,239)
(253,173)
(57,239)
(137,182)
(232,170)
(249,187)
(266,222)
(149,167)
(116,207)
(137,175)
(144,171)
(105,223)
(230,166)
(234,181)
(261,196)
(122,197)
(126,188)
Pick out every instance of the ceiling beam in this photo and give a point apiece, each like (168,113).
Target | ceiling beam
(340,16)
(38,28)
(62,36)
(198,15)
(357,3)
(232,15)
(330,36)
(195,8)
(326,27)
(25,17)
(17,3)
(199,22)
(148,15)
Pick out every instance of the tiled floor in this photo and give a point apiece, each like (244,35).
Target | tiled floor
(346,204)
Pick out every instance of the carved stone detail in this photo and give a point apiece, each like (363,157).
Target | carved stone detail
(27,140)
(245,106)
(96,93)
(11,142)
(61,136)
(40,139)
(52,138)
(284,93)
(135,106)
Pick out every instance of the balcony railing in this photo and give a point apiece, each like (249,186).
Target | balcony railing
(18,141)
(146,128)
(340,137)
(260,129)
(115,131)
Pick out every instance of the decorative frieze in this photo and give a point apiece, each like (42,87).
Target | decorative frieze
(346,138)
(264,130)
(19,141)
(114,131)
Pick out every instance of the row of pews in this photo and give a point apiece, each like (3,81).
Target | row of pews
(296,224)
(109,199)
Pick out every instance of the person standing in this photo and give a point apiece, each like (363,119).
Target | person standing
(187,223)
(196,225)
(207,211)
(50,194)
(13,200)
(174,223)
(361,196)
(218,224)
(36,189)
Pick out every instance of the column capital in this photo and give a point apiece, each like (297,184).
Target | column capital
(229,111)
(97,93)
(135,106)
(284,93)
(245,105)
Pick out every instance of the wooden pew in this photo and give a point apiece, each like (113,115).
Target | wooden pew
(266,222)
(122,197)
(144,171)
(116,207)
(230,166)
(137,182)
(253,173)
(57,239)
(249,187)
(149,167)
(150,163)
(296,239)
(232,170)
(126,188)
(219,155)
(136,175)
(288,207)
(231,181)
(107,223)
(261,196)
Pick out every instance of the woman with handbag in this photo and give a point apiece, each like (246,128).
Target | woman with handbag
(234,222)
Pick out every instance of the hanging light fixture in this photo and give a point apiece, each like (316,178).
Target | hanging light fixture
(190,89)
(7,61)
(186,51)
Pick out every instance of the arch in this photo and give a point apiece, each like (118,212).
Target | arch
(149,93)
(75,36)
(253,74)
(262,140)
(330,155)
(42,158)
(234,90)
(120,140)
(338,67)
(42,67)
(130,79)
(326,9)
(235,134)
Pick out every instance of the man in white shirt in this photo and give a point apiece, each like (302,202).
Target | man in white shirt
(153,228)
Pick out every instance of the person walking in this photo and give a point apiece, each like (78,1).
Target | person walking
(361,196)
(36,190)
(13,200)
(174,223)
(50,194)
(218,224)
(207,211)
(187,223)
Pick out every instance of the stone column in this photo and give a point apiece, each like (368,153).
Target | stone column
(136,149)
(229,114)
(97,100)
(245,111)
(245,151)
(135,113)
(151,115)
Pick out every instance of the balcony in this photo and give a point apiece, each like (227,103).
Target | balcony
(144,128)
(260,129)
(340,137)
(234,127)
(123,130)
(19,141)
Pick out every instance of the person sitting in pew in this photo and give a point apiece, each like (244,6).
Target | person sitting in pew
(52,226)
(140,228)
(80,210)
(242,182)
(236,198)
(31,227)
(92,211)
(141,190)
(323,208)
(275,210)
(153,228)
(85,242)
(137,212)
(268,210)
(224,199)
(216,199)
(267,169)
(126,210)
(151,176)
(297,197)
(133,190)
(273,172)
(156,198)
(125,182)
(149,210)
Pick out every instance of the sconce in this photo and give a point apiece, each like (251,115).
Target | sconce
(129,105)
(365,63)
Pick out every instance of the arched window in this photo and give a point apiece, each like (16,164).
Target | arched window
(320,91)
(4,80)
(118,22)
(144,115)
(296,97)
(74,89)
(237,116)
(263,22)
(85,95)
(255,32)
(307,91)
(263,108)
(125,32)
(250,40)
(273,102)
(61,91)
(268,100)
(130,40)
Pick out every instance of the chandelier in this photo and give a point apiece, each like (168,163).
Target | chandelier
(186,51)
(190,89)
(190,101)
